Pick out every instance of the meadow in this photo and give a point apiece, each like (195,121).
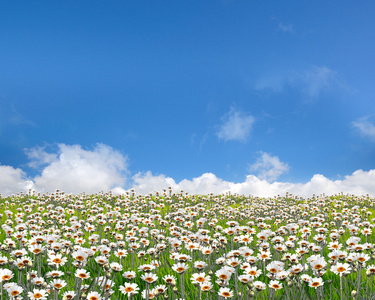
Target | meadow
(174,245)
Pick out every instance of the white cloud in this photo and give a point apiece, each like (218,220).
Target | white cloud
(13,180)
(317,80)
(269,167)
(359,183)
(236,126)
(147,183)
(286,28)
(365,127)
(39,157)
(75,170)
(311,83)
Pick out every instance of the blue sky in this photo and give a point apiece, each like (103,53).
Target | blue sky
(202,95)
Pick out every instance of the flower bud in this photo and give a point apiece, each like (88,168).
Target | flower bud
(354,293)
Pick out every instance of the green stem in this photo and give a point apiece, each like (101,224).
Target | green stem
(182,285)
(341,290)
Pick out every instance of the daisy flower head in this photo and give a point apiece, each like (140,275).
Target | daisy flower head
(306,278)
(233,262)
(206,286)
(57,260)
(150,294)
(223,274)
(146,268)
(180,267)
(116,267)
(170,279)
(94,296)
(101,260)
(129,275)
(225,292)
(318,264)
(3,260)
(276,285)
(53,274)
(159,289)
(371,269)
(282,275)
(316,282)
(80,256)
(14,291)
(254,272)
(36,249)
(259,285)
(198,278)
(341,269)
(58,284)
(38,281)
(274,267)
(38,294)
(149,277)
(245,279)
(296,269)
(82,273)
(6,275)
(200,265)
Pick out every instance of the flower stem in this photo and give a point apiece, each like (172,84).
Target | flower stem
(182,285)
(341,290)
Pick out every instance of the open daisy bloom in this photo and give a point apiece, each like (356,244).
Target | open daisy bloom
(94,296)
(149,277)
(275,285)
(37,294)
(259,285)
(180,267)
(58,284)
(225,292)
(129,289)
(341,269)
(198,278)
(206,286)
(316,282)
(6,275)
(82,273)
(14,291)
(129,275)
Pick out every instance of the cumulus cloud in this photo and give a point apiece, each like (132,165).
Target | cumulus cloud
(269,167)
(236,126)
(13,180)
(75,170)
(358,183)
(39,157)
(365,127)
(311,83)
